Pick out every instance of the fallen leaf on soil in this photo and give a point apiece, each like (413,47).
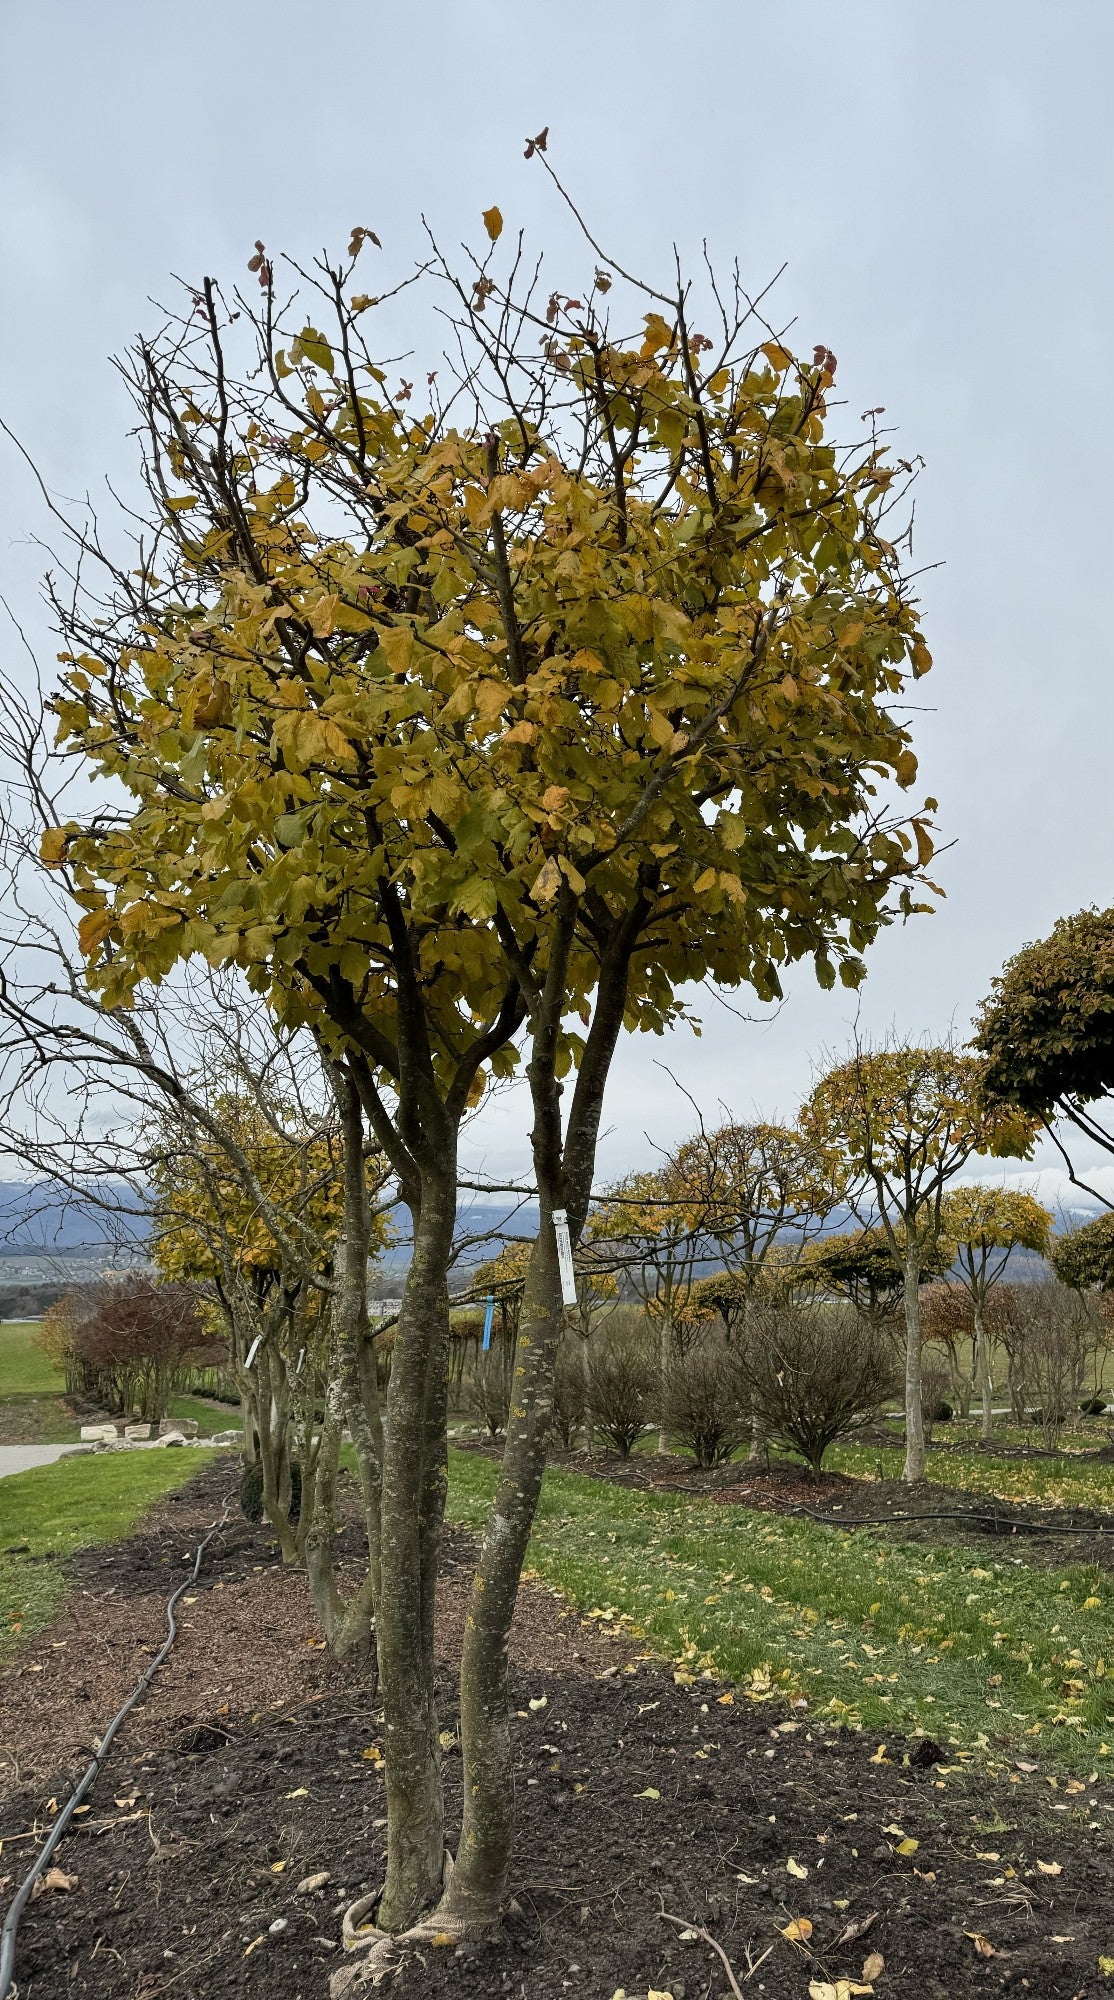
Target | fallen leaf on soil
(374,1754)
(123,1802)
(880,1756)
(989,1855)
(301,1793)
(649,1793)
(1106,1967)
(982,1944)
(277,1867)
(795,1869)
(857,1929)
(874,1966)
(799,1931)
(823,1989)
(907,1846)
(538,1701)
(254,1943)
(55,1878)
(1050,1867)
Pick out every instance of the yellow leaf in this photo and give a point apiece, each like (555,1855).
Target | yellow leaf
(301,1793)
(796,1869)
(493,223)
(1106,1967)
(546,883)
(799,1931)
(323,617)
(523,732)
(649,1793)
(778,356)
(905,768)
(52,846)
(705,881)
(1050,1867)
(277,1867)
(397,642)
(880,1756)
(92,930)
(907,1846)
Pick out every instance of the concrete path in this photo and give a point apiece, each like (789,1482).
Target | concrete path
(21,1457)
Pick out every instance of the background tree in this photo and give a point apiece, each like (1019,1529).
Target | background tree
(1084,1258)
(863,1268)
(984,1226)
(552,698)
(1047,1031)
(650,1227)
(130,1342)
(902,1122)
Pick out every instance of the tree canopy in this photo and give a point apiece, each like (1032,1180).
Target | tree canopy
(1047,1028)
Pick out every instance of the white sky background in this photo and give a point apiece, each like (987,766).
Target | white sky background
(938,177)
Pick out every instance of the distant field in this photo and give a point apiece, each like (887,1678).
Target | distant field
(23,1370)
(31,1406)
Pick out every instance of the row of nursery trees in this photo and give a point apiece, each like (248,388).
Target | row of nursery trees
(461,728)
(728,1250)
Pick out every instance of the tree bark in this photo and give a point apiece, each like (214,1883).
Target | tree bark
(915,1447)
(415,1804)
(475,1893)
(982,1372)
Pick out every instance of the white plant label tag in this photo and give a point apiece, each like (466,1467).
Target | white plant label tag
(564,1256)
(253,1350)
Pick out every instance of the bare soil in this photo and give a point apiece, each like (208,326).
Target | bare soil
(255,1763)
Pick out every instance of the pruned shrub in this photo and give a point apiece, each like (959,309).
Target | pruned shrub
(570,1391)
(706,1400)
(816,1374)
(621,1385)
(490,1387)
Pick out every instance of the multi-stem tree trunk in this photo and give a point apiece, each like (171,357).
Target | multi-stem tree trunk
(915,1447)
(665,1362)
(476,1890)
(412,1500)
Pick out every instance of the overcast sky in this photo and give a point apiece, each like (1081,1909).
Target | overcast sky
(938,179)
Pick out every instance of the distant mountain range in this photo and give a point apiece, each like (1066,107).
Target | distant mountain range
(41,1218)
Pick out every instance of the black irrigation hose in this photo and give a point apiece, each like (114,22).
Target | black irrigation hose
(1001,1522)
(23,1894)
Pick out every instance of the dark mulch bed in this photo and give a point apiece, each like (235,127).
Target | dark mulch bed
(245,1772)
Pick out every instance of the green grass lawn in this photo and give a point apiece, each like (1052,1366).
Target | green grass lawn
(1063,1481)
(209,1417)
(994,1659)
(31,1406)
(58,1508)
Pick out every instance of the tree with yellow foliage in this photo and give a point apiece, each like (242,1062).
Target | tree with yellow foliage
(450,715)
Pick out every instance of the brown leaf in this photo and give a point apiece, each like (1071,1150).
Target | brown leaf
(55,1878)
(858,1929)
(982,1944)
(874,1966)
